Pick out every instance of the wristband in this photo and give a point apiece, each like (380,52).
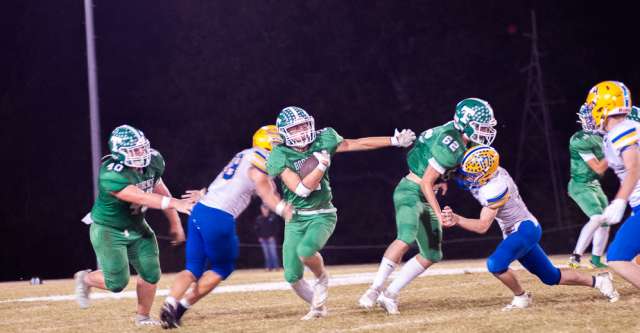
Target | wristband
(164,204)
(321,166)
(280,207)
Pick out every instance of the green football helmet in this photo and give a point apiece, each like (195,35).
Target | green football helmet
(130,147)
(296,127)
(474,118)
(634,114)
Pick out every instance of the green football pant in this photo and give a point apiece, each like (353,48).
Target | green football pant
(416,220)
(115,249)
(303,237)
(589,197)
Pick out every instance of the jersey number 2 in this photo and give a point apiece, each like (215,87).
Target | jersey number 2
(448,141)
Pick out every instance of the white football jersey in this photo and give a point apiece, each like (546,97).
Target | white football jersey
(232,190)
(502,192)
(619,138)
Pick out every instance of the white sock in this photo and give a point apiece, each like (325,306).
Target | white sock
(386,268)
(171,300)
(303,290)
(586,234)
(185,303)
(411,270)
(600,239)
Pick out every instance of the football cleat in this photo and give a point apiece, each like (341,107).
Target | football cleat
(320,291)
(574,261)
(168,316)
(519,302)
(82,289)
(315,313)
(368,299)
(604,283)
(388,302)
(146,321)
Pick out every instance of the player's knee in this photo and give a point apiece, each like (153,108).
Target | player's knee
(306,250)
(116,282)
(223,270)
(496,266)
(152,276)
(291,276)
(550,277)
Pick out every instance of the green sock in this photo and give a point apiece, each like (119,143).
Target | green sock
(595,259)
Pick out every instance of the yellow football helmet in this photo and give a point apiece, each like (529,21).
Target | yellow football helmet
(266,137)
(479,165)
(606,99)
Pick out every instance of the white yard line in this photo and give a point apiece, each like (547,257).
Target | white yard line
(336,280)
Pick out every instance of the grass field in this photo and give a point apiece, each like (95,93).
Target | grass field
(457,302)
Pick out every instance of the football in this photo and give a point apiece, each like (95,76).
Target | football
(306,166)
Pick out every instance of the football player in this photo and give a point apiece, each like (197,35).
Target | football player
(418,215)
(212,230)
(495,190)
(587,165)
(130,181)
(314,217)
(608,103)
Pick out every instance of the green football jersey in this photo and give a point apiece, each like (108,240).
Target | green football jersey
(114,176)
(584,144)
(442,145)
(284,157)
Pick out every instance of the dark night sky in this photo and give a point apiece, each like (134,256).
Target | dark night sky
(198,77)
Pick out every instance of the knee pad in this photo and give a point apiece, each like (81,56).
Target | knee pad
(149,269)
(551,277)
(116,282)
(224,270)
(292,277)
(496,266)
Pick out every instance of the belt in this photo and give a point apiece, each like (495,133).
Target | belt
(315,211)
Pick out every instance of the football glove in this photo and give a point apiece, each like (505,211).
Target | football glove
(403,139)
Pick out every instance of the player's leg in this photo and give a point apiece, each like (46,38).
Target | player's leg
(405,200)
(601,235)
(109,245)
(625,247)
(586,197)
(537,262)
(319,230)
(273,253)
(515,246)
(429,240)
(293,268)
(143,254)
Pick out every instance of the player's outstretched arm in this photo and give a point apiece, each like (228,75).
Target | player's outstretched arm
(598,166)
(266,190)
(135,195)
(175,225)
(403,138)
(479,225)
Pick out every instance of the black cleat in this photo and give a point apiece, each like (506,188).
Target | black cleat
(168,317)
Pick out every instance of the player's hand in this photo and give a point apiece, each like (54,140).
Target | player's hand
(177,235)
(183,206)
(193,195)
(440,187)
(323,157)
(449,219)
(403,138)
(287,213)
(615,211)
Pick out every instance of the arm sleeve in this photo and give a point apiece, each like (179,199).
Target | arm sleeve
(275,162)
(112,181)
(157,162)
(259,160)
(330,140)
(494,194)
